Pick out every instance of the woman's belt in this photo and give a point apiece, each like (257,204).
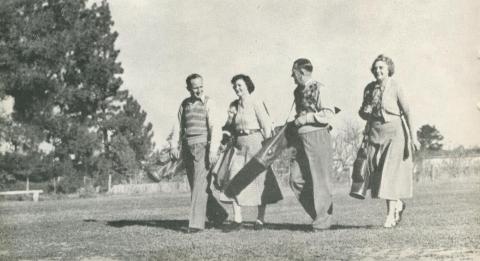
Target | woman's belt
(246,132)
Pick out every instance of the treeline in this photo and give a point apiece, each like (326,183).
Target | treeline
(71,119)
(59,63)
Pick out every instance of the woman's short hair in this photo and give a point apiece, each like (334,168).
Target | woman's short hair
(246,79)
(388,61)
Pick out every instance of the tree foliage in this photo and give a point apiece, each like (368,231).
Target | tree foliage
(347,142)
(58,61)
(430,138)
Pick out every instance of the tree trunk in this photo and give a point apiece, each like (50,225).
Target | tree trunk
(55,185)
(28,183)
(109,182)
(106,148)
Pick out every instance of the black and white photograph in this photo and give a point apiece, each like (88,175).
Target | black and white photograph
(239,130)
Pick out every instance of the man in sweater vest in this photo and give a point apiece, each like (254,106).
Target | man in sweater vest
(198,142)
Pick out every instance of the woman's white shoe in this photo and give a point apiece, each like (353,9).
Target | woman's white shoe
(399,208)
(390,222)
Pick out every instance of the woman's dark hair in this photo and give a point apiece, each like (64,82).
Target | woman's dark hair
(246,79)
(388,61)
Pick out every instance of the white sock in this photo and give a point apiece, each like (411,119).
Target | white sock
(237,212)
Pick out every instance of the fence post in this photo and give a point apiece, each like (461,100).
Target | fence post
(432,173)
(109,182)
(35,196)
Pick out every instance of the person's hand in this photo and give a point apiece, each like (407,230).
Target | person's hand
(301,120)
(225,139)
(368,109)
(174,153)
(212,158)
(222,147)
(416,144)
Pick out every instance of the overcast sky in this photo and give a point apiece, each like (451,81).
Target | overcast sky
(435,46)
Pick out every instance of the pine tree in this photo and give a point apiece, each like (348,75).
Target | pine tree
(130,133)
(58,60)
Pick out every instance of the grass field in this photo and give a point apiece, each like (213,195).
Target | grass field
(442,221)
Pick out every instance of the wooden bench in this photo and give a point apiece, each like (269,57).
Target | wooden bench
(35,193)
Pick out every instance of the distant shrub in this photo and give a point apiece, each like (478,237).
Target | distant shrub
(6,179)
(87,192)
(70,184)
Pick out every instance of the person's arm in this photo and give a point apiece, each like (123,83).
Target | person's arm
(213,127)
(325,103)
(366,109)
(326,112)
(175,141)
(227,129)
(263,119)
(405,108)
(231,112)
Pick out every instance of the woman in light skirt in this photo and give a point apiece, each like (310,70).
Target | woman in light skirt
(250,124)
(391,136)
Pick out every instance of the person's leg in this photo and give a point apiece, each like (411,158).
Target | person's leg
(261,213)
(319,152)
(390,220)
(259,223)
(237,212)
(399,208)
(198,207)
(237,218)
(188,160)
(301,182)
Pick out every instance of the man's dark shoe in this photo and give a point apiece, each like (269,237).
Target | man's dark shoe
(258,225)
(234,226)
(193,230)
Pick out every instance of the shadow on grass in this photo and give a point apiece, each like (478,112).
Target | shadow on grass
(181,225)
(302,227)
(172,224)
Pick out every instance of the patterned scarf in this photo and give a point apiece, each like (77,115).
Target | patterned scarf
(306,98)
(377,100)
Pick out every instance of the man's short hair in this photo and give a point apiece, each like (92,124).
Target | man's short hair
(303,63)
(190,78)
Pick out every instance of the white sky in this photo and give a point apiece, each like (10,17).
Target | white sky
(435,46)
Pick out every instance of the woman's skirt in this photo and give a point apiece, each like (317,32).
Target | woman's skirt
(390,160)
(264,189)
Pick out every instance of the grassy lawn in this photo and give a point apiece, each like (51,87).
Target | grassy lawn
(442,221)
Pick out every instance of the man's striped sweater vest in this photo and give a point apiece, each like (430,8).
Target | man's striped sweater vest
(195,120)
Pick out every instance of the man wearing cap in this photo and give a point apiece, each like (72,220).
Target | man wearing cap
(197,137)
(310,178)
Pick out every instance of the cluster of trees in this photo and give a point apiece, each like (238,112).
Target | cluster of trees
(59,63)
